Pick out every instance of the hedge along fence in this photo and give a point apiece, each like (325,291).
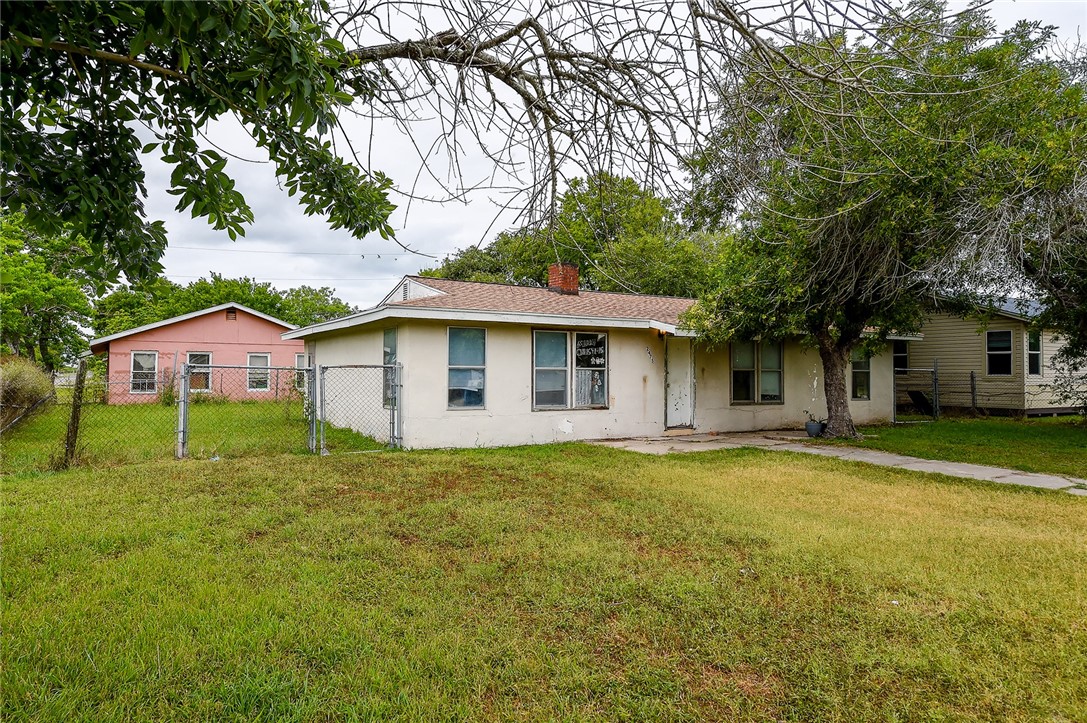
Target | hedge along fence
(24,388)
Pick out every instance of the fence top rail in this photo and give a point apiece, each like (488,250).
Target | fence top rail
(913,369)
(358,366)
(203,367)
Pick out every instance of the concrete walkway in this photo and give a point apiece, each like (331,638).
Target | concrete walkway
(791,441)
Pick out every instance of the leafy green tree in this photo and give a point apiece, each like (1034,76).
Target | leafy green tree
(129,307)
(44,293)
(79,77)
(850,221)
(623,238)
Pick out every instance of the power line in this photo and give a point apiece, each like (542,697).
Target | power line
(294,278)
(292,253)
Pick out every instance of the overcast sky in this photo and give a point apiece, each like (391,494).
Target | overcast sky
(287,248)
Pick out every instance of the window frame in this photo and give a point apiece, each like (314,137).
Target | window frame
(571,369)
(865,371)
(1035,356)
(756,371)
(249,371)
(1010,354)
(388,375)
(206,372)
(132,373)
(300,378)
(895,354)
(449,367)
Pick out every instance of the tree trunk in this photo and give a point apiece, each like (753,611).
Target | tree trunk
(835,360)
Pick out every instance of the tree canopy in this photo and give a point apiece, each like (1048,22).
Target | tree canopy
(90,87)
(850,223)
(132,306)
(44,293)
(622,236)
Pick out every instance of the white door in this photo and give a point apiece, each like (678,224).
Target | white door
(679,383)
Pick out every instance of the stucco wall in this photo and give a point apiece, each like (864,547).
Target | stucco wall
(635,378)
(803,390)
(636,389)
(228,342)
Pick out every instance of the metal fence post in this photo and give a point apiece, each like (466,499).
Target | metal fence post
(894,396)
(935,389)
(974,391)
(311,396)
(398,386)
(71,439)
(183,414)
(321,403)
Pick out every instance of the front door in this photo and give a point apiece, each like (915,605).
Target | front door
(679,382)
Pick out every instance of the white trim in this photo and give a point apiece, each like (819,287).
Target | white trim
(403,311)
(249,371)
(131,372)
(1010,352)
(449,366)
(186,317)
(188,354)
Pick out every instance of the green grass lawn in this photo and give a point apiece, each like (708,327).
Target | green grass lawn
(1054,445)
(120,434)
(559,582)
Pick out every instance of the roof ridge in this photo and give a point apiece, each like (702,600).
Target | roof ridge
(424,279)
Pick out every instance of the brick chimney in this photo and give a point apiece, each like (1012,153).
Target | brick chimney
(563,278)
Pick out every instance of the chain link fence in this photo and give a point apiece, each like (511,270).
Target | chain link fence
(358,407)
(922,395)
(207,412)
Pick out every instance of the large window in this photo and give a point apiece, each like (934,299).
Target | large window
(553,378)
(467,367)
(998,353)
(388,358)
(862,375)
(199,373)
(1034,353)
(900,356)
(257,374)
(757,372)
(144,372)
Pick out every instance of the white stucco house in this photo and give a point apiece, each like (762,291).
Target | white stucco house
(493,364)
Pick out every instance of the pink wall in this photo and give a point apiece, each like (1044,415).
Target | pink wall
(228,341)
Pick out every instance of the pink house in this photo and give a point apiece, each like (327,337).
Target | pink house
(146,362)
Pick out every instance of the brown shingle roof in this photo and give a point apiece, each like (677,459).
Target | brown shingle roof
(476,296)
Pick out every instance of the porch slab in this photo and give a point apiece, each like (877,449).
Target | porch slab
(789,440)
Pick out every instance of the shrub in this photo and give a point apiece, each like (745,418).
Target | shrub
(22,385)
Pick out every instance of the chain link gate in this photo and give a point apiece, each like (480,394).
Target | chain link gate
(239,410)
(233,411)
(359,407)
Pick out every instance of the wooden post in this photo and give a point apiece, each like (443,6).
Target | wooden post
(71,440)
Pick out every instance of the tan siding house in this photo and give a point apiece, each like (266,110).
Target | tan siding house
(1000,365)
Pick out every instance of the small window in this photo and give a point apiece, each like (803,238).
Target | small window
(144,372)
(998,353)
(743,371)
(467,367)
(590,370)
(388,358)
(900,356)
(199,373)
(257,375)
(862,375)
(758,372)
(551,369)
(1034,353)
(300,362)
